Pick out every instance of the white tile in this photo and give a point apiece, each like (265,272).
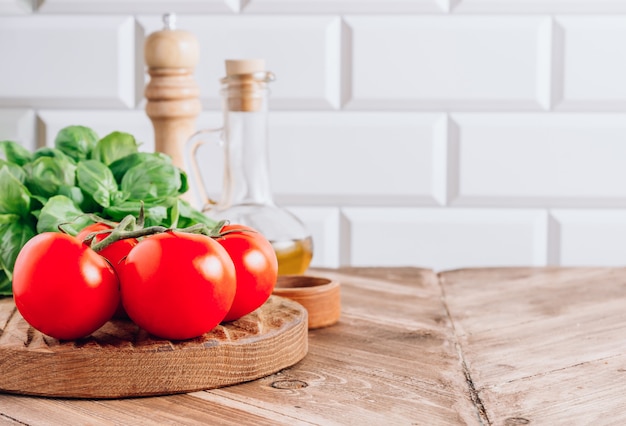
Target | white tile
(358,158)
(139,6)
(590,237)
(346,6)
(539,6)
(16,6)
(449,62)
(346,158)
(67,61)
(324,225)
(593,62)
(446,238)
(538,159)
(18,125)
(302,51)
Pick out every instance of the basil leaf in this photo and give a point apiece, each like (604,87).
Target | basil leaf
(187,215)
(52,153)
(14,153)
(97,180)
(184,183)
(120,166)
(46,175)
(36,203)
(151,180)
(76,141)
(7,218)
(155,213)
(14,196)
(14,235)
(61,210)
(6,288)
(83,200)
(118,197)
(114,146)
(15,170)
(174,215)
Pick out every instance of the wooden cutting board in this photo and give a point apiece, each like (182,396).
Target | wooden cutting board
(121,360)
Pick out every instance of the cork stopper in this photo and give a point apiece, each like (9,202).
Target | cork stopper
(244,66)
(171,48)
(246,81)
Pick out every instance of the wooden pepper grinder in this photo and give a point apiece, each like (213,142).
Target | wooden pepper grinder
(173,105)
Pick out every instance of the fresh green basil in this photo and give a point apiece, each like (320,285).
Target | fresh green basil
(15,170)
(15,232)
(156,212)
(184,182)
(82,199)
(46,175)
(120,166)
(14,153)
(7,218)
(114,146)
(151,180)
(96,179)
(15,196)
(14,235)
(188,215)
(60,210)
(46,151)
(76,141)
(5,284)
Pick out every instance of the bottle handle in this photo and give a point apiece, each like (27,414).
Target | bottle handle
(191,149)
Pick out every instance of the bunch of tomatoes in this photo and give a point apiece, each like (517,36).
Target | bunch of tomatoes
(175,285)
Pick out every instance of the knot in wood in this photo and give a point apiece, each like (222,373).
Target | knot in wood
(516,421)
(289,384)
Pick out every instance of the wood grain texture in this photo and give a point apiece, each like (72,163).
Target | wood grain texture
(121,360)
(391,359)
(543,345)
(504,346)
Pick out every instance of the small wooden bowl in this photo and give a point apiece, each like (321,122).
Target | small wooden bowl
(321,297)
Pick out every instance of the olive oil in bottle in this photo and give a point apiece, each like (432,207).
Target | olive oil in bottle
(294,256)
(246,194)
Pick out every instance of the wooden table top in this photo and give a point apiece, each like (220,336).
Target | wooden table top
(507,346)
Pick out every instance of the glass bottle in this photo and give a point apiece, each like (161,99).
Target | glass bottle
(246,191)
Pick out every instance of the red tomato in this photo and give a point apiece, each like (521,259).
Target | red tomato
(177,285)
(115,253)
(256,266)
(62,287)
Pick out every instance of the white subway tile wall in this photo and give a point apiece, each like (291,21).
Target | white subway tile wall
(449,62)
(19,125)
(431,133)
(445,238)
(594,63)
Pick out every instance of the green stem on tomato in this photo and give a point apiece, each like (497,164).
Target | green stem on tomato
(119,233)
(128,228)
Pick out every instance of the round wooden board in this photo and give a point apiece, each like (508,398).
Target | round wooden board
(121,360)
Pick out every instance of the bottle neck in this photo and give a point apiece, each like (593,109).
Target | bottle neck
(246,173)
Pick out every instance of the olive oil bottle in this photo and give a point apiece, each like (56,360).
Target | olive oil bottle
(294,256)
(246,193)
